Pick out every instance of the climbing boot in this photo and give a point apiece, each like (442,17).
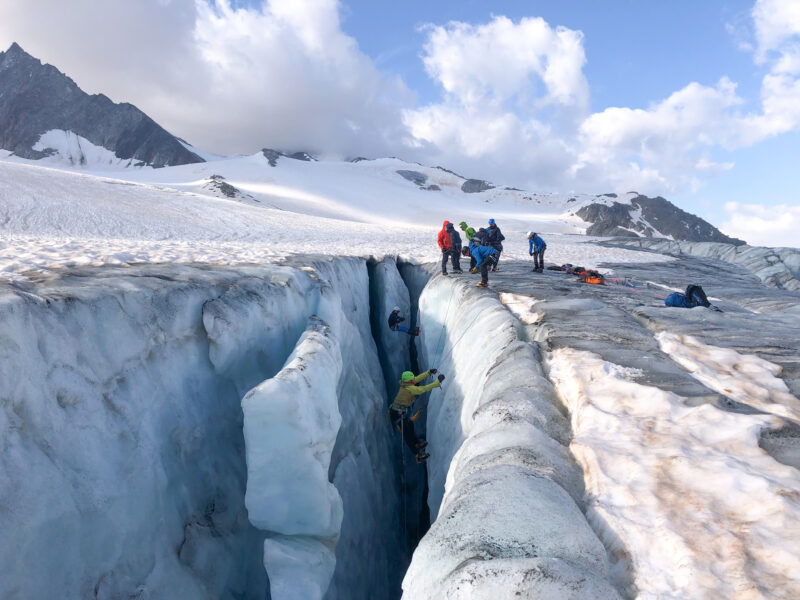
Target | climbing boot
(458,271)
(421,445)
(421,456)
(481,284)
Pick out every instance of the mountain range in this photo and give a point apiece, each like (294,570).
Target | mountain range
(45,115)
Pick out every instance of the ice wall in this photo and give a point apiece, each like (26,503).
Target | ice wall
(121,471)
(504,488)
(290,426)
(122,431)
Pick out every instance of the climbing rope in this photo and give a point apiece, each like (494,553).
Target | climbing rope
(444,323)
(403,490)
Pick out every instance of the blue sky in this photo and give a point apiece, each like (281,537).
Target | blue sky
(696,101)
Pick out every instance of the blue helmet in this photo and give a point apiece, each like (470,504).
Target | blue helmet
(491,221)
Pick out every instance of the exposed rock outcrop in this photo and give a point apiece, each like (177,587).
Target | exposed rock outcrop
(650,217)
(36,98)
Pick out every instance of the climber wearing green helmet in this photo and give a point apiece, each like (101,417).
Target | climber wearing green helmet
(402,404)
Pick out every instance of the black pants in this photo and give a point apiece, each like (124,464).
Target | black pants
(499,248)
(409,435)
(538,259)
(487,264)
(472,262)
(454,255)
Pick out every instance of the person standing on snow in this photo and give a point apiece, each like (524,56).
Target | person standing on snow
(401,407)
(455,249)
(485,257)
(469,232)
(394,322)
(481,237)
(536,248)
(495,240)
(446,245)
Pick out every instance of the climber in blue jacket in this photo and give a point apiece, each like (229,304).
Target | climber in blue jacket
(536,248)
(485,257)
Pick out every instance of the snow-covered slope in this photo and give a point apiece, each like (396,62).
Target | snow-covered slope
(51,218)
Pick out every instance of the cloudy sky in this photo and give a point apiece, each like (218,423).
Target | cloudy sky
(695,101)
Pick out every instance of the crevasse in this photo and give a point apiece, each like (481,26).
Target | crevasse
(123,432)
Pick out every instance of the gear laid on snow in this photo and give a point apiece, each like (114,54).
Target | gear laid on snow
(694,296)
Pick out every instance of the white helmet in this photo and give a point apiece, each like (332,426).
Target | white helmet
(530,234)
(396,309)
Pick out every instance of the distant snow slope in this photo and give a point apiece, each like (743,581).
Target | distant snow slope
(51,218)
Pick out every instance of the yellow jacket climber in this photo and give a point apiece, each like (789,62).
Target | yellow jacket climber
(410,390)
(398,411)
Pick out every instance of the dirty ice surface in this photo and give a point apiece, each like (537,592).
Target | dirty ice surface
(684,493)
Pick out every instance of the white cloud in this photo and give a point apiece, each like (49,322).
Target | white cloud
(761,225)
(228,80)
(514,105)
(776,23)
(501,60)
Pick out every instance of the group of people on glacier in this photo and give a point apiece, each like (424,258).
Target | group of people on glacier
(483,248)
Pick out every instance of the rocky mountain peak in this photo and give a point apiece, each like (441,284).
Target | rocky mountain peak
(37,98)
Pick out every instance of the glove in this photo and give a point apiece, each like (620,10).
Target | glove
(433,371)
(531,252)
(440,378)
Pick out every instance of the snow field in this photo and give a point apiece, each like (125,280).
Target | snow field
(503,486)
(684,498)
(51,219)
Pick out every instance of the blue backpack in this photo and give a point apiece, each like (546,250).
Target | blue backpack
(678,300)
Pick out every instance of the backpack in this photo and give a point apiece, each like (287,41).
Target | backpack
(593,277)
(696,296)
(677,300)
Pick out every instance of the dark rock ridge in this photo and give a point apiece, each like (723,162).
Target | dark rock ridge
(658,217)
(273,155)
(473,186)
(413,176)
(36,98)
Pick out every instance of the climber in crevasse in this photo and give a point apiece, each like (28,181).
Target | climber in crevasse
(394,322)
(399,411)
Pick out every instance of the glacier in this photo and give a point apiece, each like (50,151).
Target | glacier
(125,436)
(219,431)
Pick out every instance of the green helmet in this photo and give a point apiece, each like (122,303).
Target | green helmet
(406,376)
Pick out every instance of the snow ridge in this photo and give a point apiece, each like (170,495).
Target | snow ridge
(503,486)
